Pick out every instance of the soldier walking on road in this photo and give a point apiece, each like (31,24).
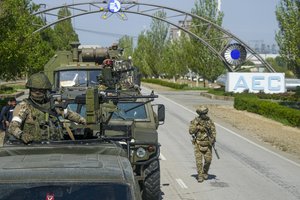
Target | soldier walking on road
(203,131)
(33,118)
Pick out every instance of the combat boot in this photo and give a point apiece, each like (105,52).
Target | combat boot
(205,176)
(200,179)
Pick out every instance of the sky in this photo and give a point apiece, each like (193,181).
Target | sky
(252,21)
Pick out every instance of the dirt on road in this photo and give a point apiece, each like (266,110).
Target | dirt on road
(283,138)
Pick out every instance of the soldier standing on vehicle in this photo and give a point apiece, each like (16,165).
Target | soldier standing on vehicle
(33,118)
(203,131)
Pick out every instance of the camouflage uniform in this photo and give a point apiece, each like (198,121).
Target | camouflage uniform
(32,118)
(199,128)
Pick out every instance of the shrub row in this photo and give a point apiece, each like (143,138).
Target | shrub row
(165,83)
(268,109)
(283,97)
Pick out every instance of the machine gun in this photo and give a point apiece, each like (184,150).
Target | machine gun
(208,133)
(100,105)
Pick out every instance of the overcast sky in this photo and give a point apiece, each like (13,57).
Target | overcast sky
(250,20)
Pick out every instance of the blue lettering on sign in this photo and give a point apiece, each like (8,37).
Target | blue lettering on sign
(241,83)
(271,80)
(256,83)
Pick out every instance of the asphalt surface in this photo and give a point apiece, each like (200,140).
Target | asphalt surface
(246,170)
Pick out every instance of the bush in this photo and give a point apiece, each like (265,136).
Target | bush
(268,109)
(166,83)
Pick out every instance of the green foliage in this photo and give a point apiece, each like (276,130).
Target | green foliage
(20,50)
(166,83)
(280,66)
(204,62)
(269,109)
(64,32)
(288,36)
(23,52)
(9,89)
(151,43)
(4,89)
(282,96)
(174,59)
(126,42)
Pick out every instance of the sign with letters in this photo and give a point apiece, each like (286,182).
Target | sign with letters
(114,6)
(255,82)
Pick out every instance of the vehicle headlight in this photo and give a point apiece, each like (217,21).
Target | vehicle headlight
(140,152)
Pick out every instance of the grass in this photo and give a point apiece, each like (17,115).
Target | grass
(10,89)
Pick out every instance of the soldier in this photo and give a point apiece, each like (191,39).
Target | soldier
(33,119)
(203,131)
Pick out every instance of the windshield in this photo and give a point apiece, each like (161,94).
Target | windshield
(130,110)
(126,110)
(78,78)
(66,191)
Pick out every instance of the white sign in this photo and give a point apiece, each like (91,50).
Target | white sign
(255,82)
(114,6)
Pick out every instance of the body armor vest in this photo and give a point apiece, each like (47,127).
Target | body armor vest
(42,126)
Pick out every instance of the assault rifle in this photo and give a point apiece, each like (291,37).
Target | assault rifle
(208,133)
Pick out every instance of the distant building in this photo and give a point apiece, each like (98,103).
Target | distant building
(175,32)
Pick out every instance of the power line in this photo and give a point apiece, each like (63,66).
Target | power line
(114,35)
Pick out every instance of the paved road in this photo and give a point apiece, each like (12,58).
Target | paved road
(245,171)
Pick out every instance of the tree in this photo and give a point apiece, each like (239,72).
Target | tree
(148,54)
(64,32)
(203,62)
(280,66)
(141,56)
(288,36)
(126,42)
(20,50)
(175,58)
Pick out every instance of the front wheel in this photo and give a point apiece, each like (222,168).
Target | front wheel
(151,185)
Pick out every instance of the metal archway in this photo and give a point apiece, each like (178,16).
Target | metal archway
(148,10)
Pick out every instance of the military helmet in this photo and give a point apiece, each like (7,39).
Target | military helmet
(202,110)
(39,81)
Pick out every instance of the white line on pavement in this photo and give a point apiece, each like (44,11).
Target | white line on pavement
(236,134)
(181,183)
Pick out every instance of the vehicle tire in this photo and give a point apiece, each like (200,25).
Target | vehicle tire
(151,186)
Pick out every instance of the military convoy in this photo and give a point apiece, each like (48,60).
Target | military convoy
(104,88)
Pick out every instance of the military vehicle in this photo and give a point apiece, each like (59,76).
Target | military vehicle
(103,87)
(66,170)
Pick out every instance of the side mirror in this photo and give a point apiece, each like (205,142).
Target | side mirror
(161,113)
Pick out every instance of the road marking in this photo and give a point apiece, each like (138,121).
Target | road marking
(181,183)
(236,134)
(162,157)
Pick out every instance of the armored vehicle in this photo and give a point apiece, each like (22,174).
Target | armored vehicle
(104,88)
(66,170)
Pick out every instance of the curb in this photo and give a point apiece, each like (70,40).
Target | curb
(212,96)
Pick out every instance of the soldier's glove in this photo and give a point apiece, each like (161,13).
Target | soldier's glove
(26,138)
(82,121)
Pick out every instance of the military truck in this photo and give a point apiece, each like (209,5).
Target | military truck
(90,82)
(66,170)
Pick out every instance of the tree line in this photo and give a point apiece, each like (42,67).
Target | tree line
(23,52)
(156,54)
